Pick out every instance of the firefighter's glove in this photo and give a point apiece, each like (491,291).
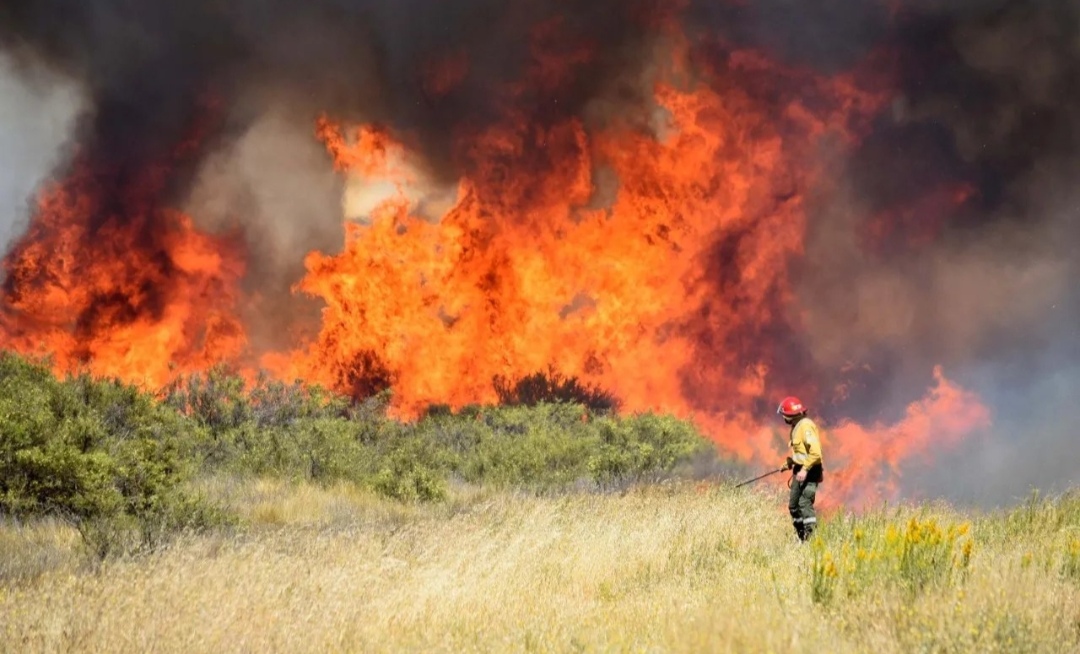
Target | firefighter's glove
(789,464)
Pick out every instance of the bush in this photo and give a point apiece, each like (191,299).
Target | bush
(553,388)
(539,448)
(413,469)
(642,448)
(111,458)
(250,427)
(99,454)
(872,553)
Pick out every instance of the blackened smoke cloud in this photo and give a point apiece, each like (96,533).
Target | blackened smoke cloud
(148,67)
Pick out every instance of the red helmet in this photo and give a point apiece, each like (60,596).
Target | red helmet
(791,406)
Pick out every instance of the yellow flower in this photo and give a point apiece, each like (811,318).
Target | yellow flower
(892,535)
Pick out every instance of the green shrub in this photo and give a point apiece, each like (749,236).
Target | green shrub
(412,469)
(541,447)
(99,454)
(552,387)
(545,435)
(641,448)
(111,458)
(215,400)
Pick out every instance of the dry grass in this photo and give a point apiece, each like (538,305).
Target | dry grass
(674,569)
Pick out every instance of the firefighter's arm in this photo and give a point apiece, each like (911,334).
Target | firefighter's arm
(812,446)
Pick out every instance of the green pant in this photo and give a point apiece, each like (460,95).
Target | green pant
(801,507)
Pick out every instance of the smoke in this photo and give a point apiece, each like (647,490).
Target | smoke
(150,68)
(950,238)
(36,112)
(275,181)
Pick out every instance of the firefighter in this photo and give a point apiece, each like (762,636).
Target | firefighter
(806,463)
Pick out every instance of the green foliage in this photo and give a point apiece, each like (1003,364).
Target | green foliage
(641,449)
(1039,516)
(412,469)
(111,458)
(542,447)
(250,426)
(530,442)
(99,454)
(1070,560)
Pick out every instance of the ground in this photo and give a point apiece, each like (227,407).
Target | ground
(685,567)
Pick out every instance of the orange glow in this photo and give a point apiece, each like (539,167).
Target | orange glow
(446,73)
(917,224)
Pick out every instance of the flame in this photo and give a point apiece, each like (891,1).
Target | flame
(525,269)
(149,299)
(867,460)
(650,259)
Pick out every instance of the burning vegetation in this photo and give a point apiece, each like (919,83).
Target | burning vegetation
(649,198)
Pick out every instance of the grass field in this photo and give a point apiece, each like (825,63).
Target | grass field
(680,568)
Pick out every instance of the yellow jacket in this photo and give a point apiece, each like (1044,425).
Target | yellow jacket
(806,444)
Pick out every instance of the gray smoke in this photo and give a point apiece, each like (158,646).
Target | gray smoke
(276,182)
(36,114)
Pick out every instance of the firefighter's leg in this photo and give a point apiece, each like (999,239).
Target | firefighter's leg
(793,507)
(806,508)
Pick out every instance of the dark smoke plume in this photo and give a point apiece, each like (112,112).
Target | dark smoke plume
(947,237)
(951,233)
(148,67)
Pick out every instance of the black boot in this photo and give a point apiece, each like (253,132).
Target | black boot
(800,529)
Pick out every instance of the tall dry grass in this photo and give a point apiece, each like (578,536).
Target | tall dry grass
(665,569)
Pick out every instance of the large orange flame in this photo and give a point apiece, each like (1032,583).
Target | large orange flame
(649,257)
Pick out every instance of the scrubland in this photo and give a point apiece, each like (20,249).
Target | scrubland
(219,520)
